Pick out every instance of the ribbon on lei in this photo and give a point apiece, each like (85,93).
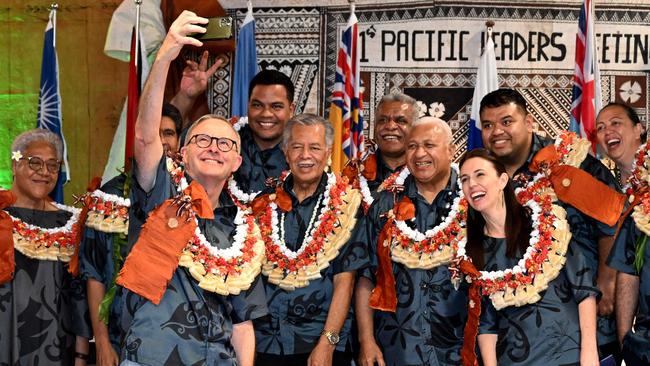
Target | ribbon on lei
(367,168)
(467,353)
(578,188)
(154,258)
(73,266)
(280,197)
(384,295)
(7,260)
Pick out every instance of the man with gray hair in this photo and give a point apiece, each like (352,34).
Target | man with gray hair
(306,222)
(407,310)
(393,118)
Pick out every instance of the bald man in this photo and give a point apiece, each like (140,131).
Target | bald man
(426,325)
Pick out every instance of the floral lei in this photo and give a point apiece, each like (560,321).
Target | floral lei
(290,270)
(638,191)
(55,244)
(434,247)
(544,258)
(223,271)
(108,213)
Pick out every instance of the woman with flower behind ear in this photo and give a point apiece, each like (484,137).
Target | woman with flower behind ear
(539,303)
(42,307)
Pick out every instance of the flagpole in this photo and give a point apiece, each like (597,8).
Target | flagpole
(137,31)
(489,24)
(53,8)
(351,6)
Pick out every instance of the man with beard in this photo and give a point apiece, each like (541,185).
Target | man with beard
(270,105)
(406,306)
(507,131)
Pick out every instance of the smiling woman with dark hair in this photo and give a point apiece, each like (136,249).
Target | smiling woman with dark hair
(42,305)
(539,303)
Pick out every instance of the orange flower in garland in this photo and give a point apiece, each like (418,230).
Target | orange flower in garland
(290,269)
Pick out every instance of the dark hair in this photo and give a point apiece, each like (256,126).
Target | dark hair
(170,110)
(517,225)
(501,97)
(272,77)
(631,114)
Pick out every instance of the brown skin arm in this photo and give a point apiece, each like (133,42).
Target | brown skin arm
(322,354)
(627,300)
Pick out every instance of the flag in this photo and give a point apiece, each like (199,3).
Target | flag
(49,101)
(345,110)
(486,81)
(586,100)
(245,64)
(122,147)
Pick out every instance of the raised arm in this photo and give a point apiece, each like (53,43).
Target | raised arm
(148,147)
(193,84)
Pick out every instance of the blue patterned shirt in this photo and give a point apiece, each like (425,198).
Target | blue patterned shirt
(296,318)
(189,326)
(586,230)
(427,328)
(257,165)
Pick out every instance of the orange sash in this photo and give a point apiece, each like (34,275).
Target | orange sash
(578,188)
(154,257)
(7,260)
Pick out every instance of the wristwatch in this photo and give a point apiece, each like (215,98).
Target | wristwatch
(332,336)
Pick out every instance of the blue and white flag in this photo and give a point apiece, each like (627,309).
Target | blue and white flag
(49,101)
(245,64)
(486,81)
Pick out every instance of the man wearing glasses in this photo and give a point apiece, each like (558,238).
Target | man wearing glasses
(184,323)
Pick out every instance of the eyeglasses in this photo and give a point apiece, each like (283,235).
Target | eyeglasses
(203,141)
(36,164)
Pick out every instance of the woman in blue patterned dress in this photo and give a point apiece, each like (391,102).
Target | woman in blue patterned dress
(559,328)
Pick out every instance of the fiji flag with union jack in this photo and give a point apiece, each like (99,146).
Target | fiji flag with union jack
(49,101)
(345,111)
(586,100)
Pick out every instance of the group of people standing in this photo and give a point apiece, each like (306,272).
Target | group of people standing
(233,244)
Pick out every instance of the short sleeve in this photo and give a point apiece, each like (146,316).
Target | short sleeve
(621,258)
(93,255)
(581,277)
(354,255)
(249,304)
(161,190)
(489,320)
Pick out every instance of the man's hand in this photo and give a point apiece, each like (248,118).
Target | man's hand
(322,354)
(195,76)
(106,355)
(178,35)
(370,354)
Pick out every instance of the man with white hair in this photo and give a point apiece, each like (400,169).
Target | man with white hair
(189,285)
(306,222)
(407,309)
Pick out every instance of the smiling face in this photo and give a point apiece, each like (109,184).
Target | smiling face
(618,135)
(31,184)
(391,127)
(507,132)
(482,184)
(269,109)
(209,164)
(307,153)
(429,153)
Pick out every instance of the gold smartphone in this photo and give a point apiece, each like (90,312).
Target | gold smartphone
(217,28)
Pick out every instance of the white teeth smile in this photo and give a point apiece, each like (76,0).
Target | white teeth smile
(390,138)
(423,163)
(477,196)
(613,142)
(305,165)
(499,142)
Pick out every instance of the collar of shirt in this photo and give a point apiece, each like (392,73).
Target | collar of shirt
(249,146)
(309,201)
(383,170)
(537,144)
